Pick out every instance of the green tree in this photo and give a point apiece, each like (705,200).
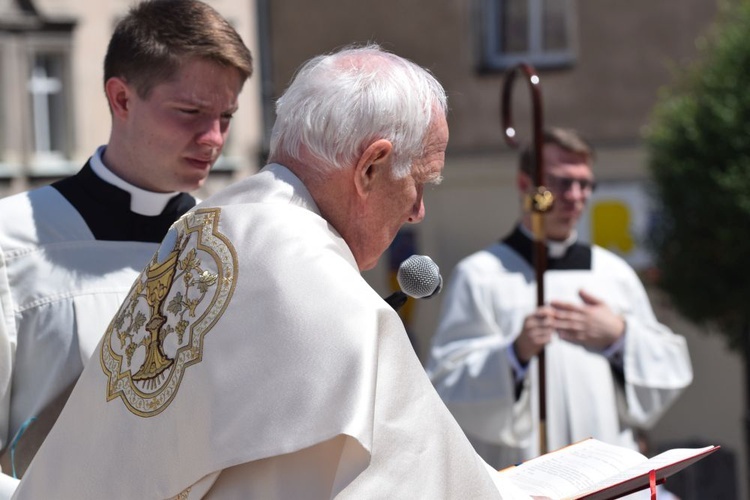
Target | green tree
(699,155)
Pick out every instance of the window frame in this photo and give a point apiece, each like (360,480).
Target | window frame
(24,33)
(52,162)
(11,138)
(4,96)
(492,59)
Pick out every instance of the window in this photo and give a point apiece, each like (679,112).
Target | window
(36,122)
(538,32)
(48,105)
(3,105)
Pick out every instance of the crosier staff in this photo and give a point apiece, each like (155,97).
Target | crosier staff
(539,202)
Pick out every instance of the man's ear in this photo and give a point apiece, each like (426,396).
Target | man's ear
(374,163)
(119,94)
(524,182)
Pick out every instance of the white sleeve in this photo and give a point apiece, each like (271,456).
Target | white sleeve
(470,367)
(8,486)
(656,361)
(7,350)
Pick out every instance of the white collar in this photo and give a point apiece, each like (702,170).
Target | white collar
(141,201)
(555,249)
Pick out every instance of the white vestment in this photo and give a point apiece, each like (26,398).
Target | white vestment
(278,373)
(488,297)
(59,288)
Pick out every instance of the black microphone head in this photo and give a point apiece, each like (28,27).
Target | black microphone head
(419,277)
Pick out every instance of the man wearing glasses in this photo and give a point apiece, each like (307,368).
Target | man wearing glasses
(610,365)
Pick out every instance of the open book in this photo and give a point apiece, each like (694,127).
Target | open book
(594,470)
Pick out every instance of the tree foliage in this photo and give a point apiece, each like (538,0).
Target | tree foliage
(699,155)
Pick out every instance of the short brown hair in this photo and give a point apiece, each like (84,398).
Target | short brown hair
(156,37)
(565,138)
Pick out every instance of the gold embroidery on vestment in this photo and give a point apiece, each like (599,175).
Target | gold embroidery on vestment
(158,332)
(183,494)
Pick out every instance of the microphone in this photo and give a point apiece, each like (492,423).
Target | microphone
(419,277)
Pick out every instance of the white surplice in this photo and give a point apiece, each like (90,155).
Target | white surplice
(287,375)
(59,287)
(487,299)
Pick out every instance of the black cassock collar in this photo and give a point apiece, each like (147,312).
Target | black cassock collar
(106,209)
(576,257)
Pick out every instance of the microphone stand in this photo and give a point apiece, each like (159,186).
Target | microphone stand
(538,203)
(396,300)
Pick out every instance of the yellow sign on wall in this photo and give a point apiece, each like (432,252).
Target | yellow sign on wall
(618,219)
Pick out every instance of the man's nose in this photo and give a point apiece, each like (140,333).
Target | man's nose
(575,189)
(212,134)
(417,212)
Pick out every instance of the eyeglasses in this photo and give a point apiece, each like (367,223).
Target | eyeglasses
(564,184)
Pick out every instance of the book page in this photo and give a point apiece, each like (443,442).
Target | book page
(572,469)
(670,462)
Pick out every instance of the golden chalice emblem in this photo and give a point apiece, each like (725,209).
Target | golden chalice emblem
(158,283)
(158,331)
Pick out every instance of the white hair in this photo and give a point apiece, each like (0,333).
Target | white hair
(340,103)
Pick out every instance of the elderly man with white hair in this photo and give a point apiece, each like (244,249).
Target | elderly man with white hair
(251,359)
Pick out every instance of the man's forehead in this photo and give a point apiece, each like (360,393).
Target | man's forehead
(564,169)
(556,158)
